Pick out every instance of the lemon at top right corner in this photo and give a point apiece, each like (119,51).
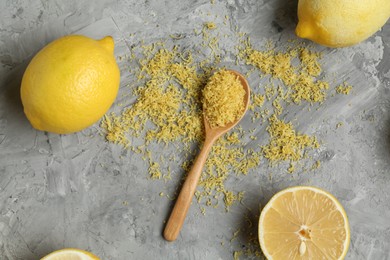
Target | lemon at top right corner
(341,23)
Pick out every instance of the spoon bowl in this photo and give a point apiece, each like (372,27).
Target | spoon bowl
(219,131)
(179,212)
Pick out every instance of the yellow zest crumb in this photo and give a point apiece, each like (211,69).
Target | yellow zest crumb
(344,88)
(210,25)
(291,169)
(154,170)
(203,211)
(235,235)
(316,165)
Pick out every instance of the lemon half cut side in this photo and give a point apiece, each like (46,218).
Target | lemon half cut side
(304,223)
(70,254)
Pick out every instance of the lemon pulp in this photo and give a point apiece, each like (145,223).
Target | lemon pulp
(304,223)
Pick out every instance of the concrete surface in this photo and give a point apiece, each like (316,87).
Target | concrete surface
(76,190)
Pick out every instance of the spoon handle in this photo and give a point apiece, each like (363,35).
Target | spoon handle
(183,202)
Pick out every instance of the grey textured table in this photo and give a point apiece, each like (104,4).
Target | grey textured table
(79,191)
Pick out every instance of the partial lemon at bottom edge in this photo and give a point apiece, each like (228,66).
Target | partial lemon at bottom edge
(70,254)
(304,223)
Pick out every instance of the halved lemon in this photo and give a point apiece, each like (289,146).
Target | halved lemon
(70,254)
(304,223)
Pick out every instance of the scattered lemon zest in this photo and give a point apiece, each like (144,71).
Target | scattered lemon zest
(279,65)
(285,144)
(168,110)
(344,88)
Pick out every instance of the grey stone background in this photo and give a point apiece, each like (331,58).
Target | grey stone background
(76,190)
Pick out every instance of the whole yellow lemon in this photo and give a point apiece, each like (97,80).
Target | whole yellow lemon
(340,23)
(70,84)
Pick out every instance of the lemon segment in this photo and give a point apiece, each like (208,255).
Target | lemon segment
(304,223)
(70,84)
(340,23)
(70,254)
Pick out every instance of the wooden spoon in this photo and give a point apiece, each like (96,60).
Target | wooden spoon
(179,212)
